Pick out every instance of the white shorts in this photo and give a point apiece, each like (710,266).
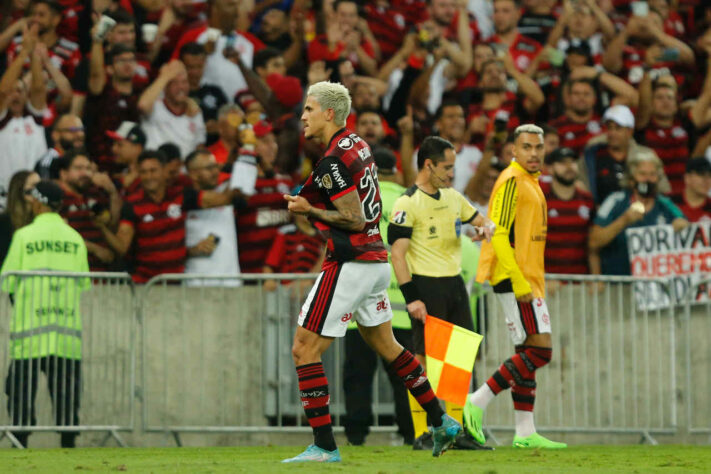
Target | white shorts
(345,291)
(524,319)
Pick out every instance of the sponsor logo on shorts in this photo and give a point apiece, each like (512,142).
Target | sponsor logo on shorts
(539,302)
(546,319)
(347,317)
(382,305)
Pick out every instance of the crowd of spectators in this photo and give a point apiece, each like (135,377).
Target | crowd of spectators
(149,113)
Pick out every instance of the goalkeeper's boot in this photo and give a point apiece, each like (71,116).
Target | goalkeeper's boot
(536,441)
(472,416)
(315,454)
(444,435)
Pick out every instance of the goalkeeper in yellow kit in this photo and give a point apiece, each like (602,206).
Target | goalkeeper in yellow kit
(513,263)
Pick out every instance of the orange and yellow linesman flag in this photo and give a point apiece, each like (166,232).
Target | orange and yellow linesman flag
(450,352)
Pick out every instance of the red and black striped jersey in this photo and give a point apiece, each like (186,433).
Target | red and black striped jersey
(79,210)
(64,54)
(568,225)
(693,214)
(672,146)
(575,135)
(633,67)
(292,251)
(388,26)
(257,223)
(159,239)
(523,50)
(414,11)
(511,107)
(348,165)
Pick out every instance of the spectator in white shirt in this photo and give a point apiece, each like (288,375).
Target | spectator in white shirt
(169,114)
(211,235)
(22,108)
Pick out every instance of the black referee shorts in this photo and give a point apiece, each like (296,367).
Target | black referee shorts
(445,298)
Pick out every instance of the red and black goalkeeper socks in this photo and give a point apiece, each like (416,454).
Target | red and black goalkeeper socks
(409,369)
(519,373)
(313,386)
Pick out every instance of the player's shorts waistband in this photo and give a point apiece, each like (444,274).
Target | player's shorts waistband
(504,286)
(438,279)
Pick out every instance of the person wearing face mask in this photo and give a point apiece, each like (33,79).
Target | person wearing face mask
(424,234)
(638,204)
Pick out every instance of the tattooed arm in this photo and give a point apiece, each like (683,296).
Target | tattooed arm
(348,214)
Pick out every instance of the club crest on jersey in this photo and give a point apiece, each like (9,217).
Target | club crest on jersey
(174,211)
(345,143)
(399,217)
(326,181)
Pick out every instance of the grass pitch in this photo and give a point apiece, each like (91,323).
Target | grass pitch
(371,459)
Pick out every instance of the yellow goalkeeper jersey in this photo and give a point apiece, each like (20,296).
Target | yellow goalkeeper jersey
(518,208)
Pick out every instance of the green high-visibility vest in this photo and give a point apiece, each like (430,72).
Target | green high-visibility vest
(46,319)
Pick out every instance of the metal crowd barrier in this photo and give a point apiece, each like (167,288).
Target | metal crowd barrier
(614,364)
(215,357)
(236,341)
(70,335)
(697,357)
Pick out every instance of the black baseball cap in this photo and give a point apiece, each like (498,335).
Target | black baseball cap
(699,165)
(384,159)
(128,131)
(48,193)
(559,154)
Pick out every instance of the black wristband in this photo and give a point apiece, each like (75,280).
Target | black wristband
(409,291)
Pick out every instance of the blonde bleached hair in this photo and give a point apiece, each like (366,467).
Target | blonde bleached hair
(527,128)
(332,95)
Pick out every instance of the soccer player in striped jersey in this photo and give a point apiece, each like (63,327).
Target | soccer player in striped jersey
(342,199)
(513,263)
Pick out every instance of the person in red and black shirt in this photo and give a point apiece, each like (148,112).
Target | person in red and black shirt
(579,123)
(153,219)
(662,129)
(116,95)
(89,197)
(65,54)
(498,104)
(695,202)
(649,48)
(522,49)
(341,196)
(294,251)
(265,212)
(344,39)
(570,213)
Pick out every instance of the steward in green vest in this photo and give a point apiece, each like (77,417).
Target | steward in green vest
(361,361)
(45,329)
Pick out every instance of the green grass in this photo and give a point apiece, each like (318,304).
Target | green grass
(386,460)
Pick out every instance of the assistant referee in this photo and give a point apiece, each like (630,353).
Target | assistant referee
(424,232)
